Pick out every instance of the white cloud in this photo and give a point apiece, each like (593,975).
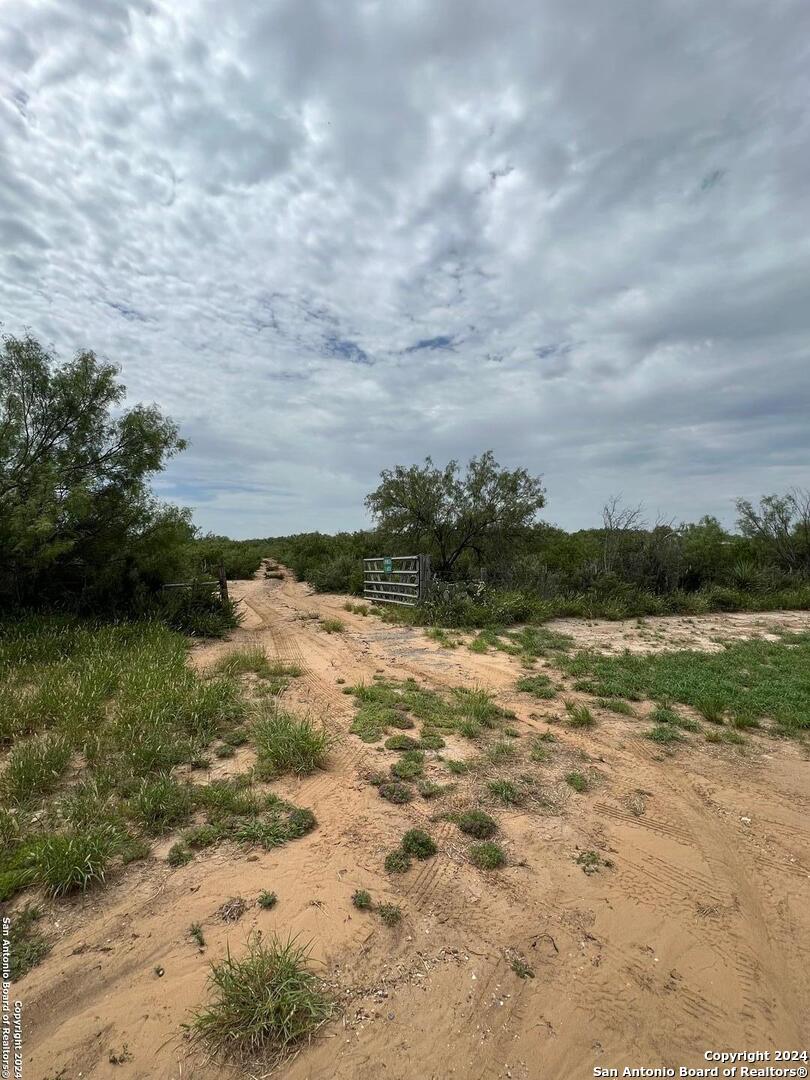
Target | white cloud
(334,236)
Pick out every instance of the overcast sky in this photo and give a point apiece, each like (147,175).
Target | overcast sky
(328,237)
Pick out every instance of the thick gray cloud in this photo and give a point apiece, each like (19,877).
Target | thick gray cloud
(336,235)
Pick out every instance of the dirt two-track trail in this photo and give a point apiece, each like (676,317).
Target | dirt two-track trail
(696,938)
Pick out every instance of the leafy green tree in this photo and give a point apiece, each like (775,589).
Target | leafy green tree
(780,526)
(78,523)
(454,512)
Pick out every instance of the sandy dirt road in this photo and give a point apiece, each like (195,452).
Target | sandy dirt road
(696,939)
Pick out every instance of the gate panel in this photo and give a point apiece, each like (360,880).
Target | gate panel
(396,579)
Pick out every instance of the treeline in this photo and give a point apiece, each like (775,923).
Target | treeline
(81,531)
(624,568)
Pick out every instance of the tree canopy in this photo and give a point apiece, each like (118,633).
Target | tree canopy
(453,512)
(78,522)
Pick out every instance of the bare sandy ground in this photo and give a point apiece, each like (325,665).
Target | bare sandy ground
(696,939)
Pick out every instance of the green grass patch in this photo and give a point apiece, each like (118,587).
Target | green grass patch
(73,861)
(332,626)
(500,751)
(387,703)
(727,735)
(748,681)
(437,634)
(665,714)
(161,804)
(538,686)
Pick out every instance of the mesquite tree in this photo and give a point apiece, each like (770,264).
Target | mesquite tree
(78,522)
(453,512)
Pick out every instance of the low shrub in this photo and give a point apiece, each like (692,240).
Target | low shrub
(419,844)
(397,862)
(396,792)
(477,823)
(487,855)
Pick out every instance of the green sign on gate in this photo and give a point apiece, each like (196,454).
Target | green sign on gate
(388,566)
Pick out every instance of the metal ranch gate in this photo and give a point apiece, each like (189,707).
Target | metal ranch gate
(396,579)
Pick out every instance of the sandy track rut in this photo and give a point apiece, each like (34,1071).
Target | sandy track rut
(696,939)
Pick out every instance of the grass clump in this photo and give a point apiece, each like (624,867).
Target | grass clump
(430,790)
(160,804)
(250,659)
(538,686)
(712,709)
(439,635)
(500,751)
(402,742)
(477,823)
(727,735)
(617,705)
(664,734)
(579,715)
(397,862)
(195,932)
(362,900)
(505,791)
(396,792)
(456,766)
(487,855)
(578,781)
(388,703)
(419,844)
(664,714)
(267,900)
(73,861)
(27,946)
(265,1003)
(286,743)
(332,626)
(539,751)
(179,855)
(228,797)
(410,765)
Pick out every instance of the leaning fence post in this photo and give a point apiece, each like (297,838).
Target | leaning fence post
(223,584)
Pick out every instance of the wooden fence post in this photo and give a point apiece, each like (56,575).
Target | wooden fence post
(223,583)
